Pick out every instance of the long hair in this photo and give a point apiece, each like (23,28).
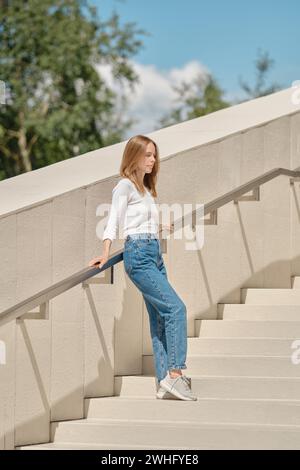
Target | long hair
(134,149)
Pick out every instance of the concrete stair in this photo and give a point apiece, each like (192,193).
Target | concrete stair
(248,388)
(261,366)
(148,435)
(248,329)
(248,312)
(210,386)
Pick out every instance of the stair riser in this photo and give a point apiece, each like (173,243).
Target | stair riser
(277,316)
(250,312)
(247,329)
(217,387)
(187,437)
(253,308)
(204,411)
(242,346)
(270,296)
(262,366)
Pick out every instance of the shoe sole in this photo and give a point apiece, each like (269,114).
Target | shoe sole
(165,396)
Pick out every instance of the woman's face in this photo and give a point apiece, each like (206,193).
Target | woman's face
(147,161)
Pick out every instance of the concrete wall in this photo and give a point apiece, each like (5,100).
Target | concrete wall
(295,195)
(97,332)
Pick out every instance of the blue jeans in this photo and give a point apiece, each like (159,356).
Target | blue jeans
(144,265)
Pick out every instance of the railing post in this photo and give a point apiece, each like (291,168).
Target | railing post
(41,314)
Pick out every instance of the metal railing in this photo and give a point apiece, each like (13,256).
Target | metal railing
(42,298)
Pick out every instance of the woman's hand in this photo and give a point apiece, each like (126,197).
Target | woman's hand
(99,261)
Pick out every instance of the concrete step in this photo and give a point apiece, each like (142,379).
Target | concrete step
(161,434)
(271,296)
(264,366)
(247,329)
(87,446)
(259,312)
(216,387)
(204,410)
(240,346)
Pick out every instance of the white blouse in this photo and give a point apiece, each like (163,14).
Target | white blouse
(131,212)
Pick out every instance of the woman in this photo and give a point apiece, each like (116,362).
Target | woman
(134,210)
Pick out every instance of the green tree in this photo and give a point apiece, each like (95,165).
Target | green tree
(263,64)
(58,105)
(197,98)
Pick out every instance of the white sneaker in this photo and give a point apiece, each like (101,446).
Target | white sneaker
(178,386)
(162,394)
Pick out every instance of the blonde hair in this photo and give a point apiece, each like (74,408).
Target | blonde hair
(134,149)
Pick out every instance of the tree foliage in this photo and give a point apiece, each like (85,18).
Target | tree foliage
(195,99)
(263,64)
(57,103)
(203,95)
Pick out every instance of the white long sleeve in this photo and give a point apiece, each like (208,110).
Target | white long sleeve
(131,211)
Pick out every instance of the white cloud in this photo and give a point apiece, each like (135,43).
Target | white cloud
(154,96)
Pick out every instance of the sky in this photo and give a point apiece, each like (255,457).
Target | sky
(217,36)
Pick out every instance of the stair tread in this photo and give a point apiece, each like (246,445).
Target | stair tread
(64,445)
(174,424)
(208,399)
(203,376)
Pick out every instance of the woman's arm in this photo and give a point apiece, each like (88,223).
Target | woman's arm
(106,246)
(120,197)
